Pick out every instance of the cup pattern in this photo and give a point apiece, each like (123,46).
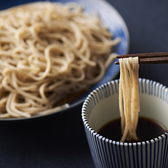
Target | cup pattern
(107,153)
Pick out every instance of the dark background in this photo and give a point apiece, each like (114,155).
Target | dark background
(59,140)
(147,22)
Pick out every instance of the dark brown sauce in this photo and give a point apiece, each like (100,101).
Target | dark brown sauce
(147,129)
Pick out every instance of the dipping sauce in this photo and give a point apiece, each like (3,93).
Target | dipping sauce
(147,129)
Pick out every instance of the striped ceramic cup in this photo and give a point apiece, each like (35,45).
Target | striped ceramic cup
(102,105)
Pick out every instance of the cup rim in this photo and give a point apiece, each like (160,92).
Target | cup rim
(87,125)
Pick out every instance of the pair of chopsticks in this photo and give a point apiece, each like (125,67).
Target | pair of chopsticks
(148,58)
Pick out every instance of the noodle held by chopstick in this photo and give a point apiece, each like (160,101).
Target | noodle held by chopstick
(48,51)
(129,97)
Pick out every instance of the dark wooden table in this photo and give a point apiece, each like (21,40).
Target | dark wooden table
(59,141)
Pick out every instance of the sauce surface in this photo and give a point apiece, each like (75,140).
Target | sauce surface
(147,129)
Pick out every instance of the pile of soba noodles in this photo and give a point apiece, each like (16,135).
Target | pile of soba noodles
(49,51)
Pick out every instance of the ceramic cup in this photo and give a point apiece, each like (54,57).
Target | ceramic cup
(102,105)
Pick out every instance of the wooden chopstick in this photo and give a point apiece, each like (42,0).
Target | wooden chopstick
(148,58)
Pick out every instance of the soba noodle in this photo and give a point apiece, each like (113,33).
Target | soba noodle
(48,51)
(129,97)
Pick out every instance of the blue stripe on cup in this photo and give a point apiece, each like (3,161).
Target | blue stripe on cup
(107,153)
